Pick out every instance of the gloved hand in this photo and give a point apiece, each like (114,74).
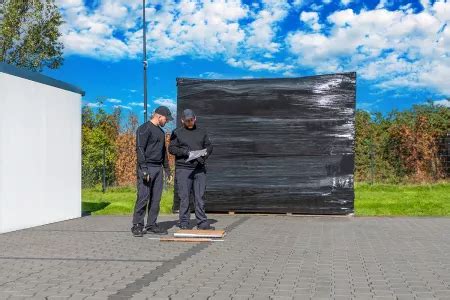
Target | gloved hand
(201,160)
(146,176)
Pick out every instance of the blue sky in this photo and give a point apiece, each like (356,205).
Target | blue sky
(399,49)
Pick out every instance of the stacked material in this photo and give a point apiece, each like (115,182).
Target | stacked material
(281,145)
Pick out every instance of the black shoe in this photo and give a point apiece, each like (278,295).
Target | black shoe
(205,227)
(184,226)
(155,229)
(137,231)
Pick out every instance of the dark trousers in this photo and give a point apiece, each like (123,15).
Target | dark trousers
(148,196)
(188,180)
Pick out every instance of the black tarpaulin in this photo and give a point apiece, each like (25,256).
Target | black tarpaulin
(280,145)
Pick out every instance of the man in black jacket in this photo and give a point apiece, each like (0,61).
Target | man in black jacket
(151,157)
(190,175)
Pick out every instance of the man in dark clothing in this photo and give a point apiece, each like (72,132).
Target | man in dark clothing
(190,174)
(151,157)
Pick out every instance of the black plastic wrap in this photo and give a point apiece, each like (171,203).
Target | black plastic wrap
(280,145)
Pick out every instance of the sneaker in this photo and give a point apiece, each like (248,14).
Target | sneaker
(155,229)
(205,227)
(137,231)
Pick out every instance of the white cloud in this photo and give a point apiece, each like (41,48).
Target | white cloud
(346,2)
(112,100)
(69,3)
(382,4)
(312,19)
(95,104)
(113,29)
(211,75)
(391,48)
(425,4)
(262,31)
(92,33)
(297,3)
(171,104)
(445,103)
(254,65)
(141,104)
(123,106)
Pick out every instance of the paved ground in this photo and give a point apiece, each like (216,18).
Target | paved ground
(262,257)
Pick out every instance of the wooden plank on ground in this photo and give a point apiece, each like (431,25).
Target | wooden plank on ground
(189,240)
(192,233)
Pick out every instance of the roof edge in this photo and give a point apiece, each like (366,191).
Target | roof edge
(37,77)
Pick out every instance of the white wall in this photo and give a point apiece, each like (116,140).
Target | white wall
(40,153)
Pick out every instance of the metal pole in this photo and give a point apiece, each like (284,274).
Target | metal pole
(145,61)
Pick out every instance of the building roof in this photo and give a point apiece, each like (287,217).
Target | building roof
(37,77)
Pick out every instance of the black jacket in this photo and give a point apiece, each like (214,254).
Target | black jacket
(184,140)
(151,146)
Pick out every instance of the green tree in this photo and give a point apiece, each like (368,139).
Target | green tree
(29,34)
(99,131)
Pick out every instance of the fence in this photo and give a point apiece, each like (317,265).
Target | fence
(108,166)
(444,154)
(115,165)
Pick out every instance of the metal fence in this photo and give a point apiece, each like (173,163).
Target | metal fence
(98,171)
(444,154)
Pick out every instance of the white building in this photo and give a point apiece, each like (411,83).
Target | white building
(40,149)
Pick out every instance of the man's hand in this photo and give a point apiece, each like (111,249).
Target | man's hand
(146,176)
(169,178)
(168,175)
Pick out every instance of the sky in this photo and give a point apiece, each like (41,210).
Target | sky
(399,49)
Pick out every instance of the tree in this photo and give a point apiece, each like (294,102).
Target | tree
(99,132)
(29,34)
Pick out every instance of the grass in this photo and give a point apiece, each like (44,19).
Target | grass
(402,200)
(370,200)
(118,201)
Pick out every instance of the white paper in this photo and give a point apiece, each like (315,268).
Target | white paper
(196,154)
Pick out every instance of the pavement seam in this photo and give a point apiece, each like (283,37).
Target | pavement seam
(64,230)
(81,259)
(136,287)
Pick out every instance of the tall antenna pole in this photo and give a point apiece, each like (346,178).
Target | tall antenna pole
(145,61)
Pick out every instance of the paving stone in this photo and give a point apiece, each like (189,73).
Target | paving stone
(381,258)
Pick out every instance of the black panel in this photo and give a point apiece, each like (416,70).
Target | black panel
(280,145)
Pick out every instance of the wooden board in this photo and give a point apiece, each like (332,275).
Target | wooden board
(192,233)
(188,240)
